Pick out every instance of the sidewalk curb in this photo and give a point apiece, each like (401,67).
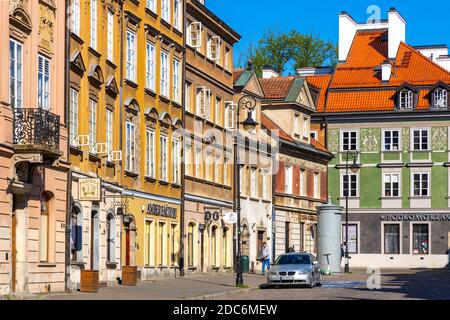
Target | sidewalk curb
(221,294)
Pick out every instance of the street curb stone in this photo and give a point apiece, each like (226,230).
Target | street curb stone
(221,294)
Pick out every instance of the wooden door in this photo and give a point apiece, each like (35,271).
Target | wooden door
(13,253)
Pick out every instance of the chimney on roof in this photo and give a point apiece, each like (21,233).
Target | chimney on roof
(347,31)
(312,71)
(397,32)
(386,71)
(269,72)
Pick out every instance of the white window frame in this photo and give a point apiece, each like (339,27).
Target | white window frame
(16,80)
(230,114)
(44,66)
(218,107)
(420,130)
(164,74)
(163,158)
(93,24)
(165,10)
(73,117)
(305,126)
(213,49)
(316,185)
(203,109)
(176,161)
(400,234)
(288,178)
(265,184)
(131,56)
(411,230)
(391,182)
(109,133)
(406,99)
(130,146)
(302,182)
(391,143)
(253,182)
(198,162)
(342,185)
(75,28)
(150,153)
(151,5)
(188,92)
(195,35)
(227,58)
(350,132)
(150,66)
(93,107)
(177,10)
(110,36)
(440,98)
(297,124)
(313,134)
(428,189)
(176,83)
(226,179)
(217,163)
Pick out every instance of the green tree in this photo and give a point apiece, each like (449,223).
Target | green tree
(286,52)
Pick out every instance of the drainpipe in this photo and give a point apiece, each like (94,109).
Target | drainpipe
(183,119)
(67,122)
(121,118)
(274,176)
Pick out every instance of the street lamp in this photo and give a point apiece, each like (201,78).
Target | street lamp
(248,103)
(353,155)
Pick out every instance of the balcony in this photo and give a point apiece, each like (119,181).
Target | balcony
(36,131)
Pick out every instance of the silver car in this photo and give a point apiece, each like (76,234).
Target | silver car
(295,269)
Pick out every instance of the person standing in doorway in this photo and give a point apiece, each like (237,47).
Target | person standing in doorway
(265,258)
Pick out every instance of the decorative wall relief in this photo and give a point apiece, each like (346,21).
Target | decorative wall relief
(405,139)
(370,139)
(46,27)
(333,140)
(439,138)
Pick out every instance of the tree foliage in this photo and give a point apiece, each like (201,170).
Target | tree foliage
(286,52)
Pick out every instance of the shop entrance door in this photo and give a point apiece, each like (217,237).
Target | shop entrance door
(261,237)
(95,240)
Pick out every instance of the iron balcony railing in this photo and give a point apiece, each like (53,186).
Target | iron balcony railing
(36,127)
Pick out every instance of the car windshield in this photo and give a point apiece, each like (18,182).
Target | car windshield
(293,259)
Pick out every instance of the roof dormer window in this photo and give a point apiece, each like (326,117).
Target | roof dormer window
(406,99)
(440,98)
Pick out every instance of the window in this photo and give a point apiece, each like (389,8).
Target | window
(15,74)
(188,96)
(110,232)
(165,12)
(217,169)
(313,135)
(203,102)
(349,187)
(297,124)
(176,80)
(440,99)
(288,179)
(150,66)
(253,183)
(44,229)
(265,184)
(225,172)
(391,239)
(130,147)
(225,247)
(148,243)
(164,74)
(110,36)
(43,82)
(131,56)
(76,235)
(391,185)
(242,179)
(198,162)
(162,243)
(73,117)
(93,42)
(76,17)
(217,111)
(214,247)
(420,139)
(109,133)
(352,238)
(421,184)
(177,9)
(302,182)
(208,165)
(406,99)
(227,58)
(316,185)
(305,126)
(420,239)
(163,160)
(190,243)
(349,140)
(195,35)
(391,140)
(188,158)
(92,125)
(229,115)
(151,5)
(213,48)
(150,154)
(176,163)
(173,245)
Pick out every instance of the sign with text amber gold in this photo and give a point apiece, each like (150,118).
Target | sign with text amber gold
(89,189)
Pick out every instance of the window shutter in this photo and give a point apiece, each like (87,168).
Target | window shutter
(195,34)
(215,48)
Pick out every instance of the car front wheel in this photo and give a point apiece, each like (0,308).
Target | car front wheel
(311,283)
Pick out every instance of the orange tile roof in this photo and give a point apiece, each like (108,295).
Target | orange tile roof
(357,75)
(316,144)
(273,127)
(276,88)
(321,82)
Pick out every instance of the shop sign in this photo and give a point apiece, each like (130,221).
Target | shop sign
(230,217)
(89,189)
(212,214)
(417,217)
(161,210)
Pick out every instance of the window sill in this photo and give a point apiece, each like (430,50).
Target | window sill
(110,164)
(163,183)
(111,64)
(131,83)
(94,158)
(177,31)
(349,198)
(150,92)
(391,198)
(131,174)
(177,105)
(175,185)
(95,52)
(151,13)
(150,179)
(46,265)
(166,23)
(76,38)
(76,150)
(420,197)
(163,98)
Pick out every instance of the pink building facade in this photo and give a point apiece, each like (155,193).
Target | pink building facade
(33,146)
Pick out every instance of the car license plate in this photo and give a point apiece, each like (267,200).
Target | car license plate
(287,278)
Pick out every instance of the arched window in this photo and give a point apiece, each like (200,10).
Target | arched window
(214,247)
(76,222)
(110,231)
(191,244)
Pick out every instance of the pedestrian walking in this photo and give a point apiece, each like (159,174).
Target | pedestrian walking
(265,258)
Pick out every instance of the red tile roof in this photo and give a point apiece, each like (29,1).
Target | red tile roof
(277,87)
(316,144)
(237,74)
(321,82)
(364,88)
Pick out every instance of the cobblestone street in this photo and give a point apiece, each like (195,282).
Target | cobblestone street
(395,285)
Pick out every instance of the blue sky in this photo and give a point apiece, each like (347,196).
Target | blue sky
(427,21)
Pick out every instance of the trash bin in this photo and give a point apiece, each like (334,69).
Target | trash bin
(245,264)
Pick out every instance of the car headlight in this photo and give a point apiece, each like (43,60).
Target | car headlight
(272,273)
